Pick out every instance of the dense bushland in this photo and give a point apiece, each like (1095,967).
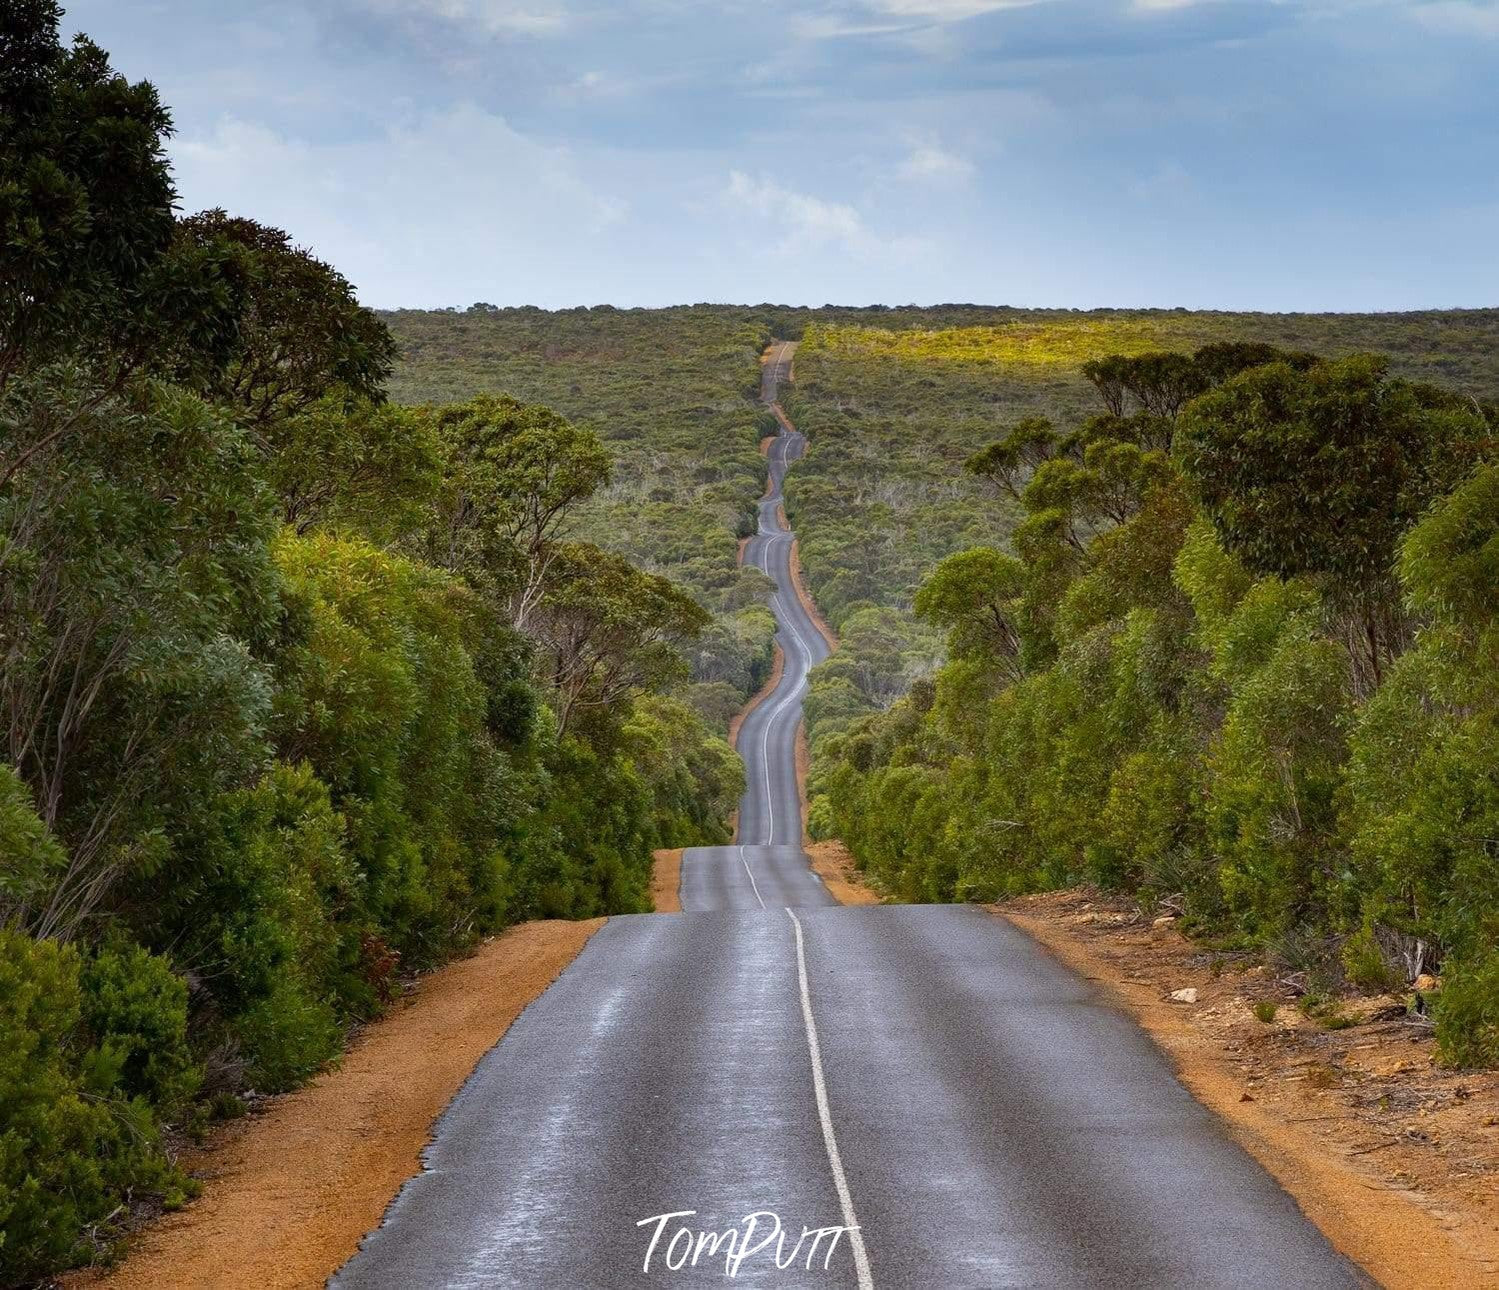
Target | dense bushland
(303,690)
(895,403)
(1237,655)
(671,395)
(895,400)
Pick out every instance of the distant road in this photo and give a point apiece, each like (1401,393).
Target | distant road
(924,1073)
(770,819)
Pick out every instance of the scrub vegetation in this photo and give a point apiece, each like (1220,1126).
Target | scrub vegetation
(1232,646)
(1141,598)
(303,690)
(671,396)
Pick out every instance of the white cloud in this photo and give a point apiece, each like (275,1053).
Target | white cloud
(492,17)
(930,163)
(428,211)
(946,10)
(1460,17)
(811,222)
(812,218)
(827,26)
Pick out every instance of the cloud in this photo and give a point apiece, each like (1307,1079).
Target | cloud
(1459,17)
(828,26)
(811,222)
(930,163)
(812,218)
(490,17)
(429,211)
(946,10)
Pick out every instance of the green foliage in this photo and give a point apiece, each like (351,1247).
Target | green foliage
(384,703)
(137,1009)
(514,475)
(1201,687)
(1449,563)
(265,907)
(301,332)
(607,630)
(87,256)
(76,1131)
(1275,785)
(974,596)
(1424,774)
(138,595)
(32,856)
(1321,471)
(1467,1013)
(1365,964)
(694,779)
(374,467)
(287,1036)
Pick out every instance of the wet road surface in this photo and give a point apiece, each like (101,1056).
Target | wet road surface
(926,1074)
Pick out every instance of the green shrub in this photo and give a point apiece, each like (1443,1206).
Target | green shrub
(1365,964)
(136,1009)
(287,1036)
(1467,1012)
(32,856)
(71,1141)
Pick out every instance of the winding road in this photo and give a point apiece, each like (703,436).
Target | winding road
(767,870)
(913,1096)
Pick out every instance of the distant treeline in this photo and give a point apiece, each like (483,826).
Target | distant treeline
(304,690)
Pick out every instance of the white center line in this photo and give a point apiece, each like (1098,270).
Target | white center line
(753,884)
(819,1085)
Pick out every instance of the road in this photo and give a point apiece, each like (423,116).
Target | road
(770,821)
(925,1075)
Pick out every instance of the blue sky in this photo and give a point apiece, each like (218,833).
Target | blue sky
(1267,154)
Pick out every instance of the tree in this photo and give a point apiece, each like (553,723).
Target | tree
(975,596)
(85,194)
(1320,472)
(515,475)
(1119,476)
(1223,359)
(300,334)
(376,465)
(1161,383)
(1164,383)
(88,266)
(1109,377)
(136,590)
(1449,563)
(1009,462)
(383,698)
(607,630)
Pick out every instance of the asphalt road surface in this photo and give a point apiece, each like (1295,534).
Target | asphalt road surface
(925,1075)
(770,811)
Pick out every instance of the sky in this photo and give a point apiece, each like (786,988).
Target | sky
(1218,154)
